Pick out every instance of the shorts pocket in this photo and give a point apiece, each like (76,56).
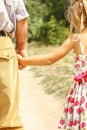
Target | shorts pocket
(7,54)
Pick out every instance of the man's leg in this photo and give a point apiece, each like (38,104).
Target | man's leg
(9,86)
(20,128)
(17,129)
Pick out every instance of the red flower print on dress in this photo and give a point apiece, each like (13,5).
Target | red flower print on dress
(76,58)
(85,80)
(83,63)
(70,99)
(71,92)
(80,77)
(80,110)
(74,85)
(86,105)
(66,110)
(83,124)
(70,110)
(76,103)
(62,122)
(70,123)
(77,66)
(82,99)
(75,123)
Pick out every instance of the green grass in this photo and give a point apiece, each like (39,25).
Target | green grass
(57,78)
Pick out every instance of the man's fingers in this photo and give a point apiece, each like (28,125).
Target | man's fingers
(21,67)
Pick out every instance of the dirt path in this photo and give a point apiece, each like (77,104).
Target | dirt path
(38,110)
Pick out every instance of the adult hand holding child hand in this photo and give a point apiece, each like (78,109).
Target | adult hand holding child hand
(20,60)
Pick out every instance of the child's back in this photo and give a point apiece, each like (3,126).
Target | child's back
(80,41)
(75,115)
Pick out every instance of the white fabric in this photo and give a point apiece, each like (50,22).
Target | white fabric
(82,49)
(5,23)
(81,46)
(10,12)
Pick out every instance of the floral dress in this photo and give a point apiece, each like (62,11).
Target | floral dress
(75,111)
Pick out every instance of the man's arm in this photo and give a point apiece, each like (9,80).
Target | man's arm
(21,38)
(21,29)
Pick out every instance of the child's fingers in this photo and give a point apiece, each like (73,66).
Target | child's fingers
(19,56)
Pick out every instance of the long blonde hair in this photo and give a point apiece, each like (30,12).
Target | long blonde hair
(77,14)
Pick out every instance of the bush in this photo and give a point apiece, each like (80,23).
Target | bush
(47,23)
(55,31)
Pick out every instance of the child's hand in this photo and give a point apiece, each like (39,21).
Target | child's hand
(20,59)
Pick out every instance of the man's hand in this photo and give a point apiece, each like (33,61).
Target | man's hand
(21,38)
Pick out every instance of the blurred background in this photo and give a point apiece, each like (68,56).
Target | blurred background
(48,28)
(47,21)
(44,89)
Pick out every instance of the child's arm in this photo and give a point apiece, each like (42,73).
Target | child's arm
(50,58)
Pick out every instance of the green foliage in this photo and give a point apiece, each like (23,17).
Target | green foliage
(56,31)
(56,8)
(36,11)
(46,21)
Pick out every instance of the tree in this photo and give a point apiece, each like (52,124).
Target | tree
(43,13)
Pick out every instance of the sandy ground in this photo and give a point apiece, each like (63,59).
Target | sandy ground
(38,110)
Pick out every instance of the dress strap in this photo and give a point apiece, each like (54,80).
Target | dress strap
(81,46)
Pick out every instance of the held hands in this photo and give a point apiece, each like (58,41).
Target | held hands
(21,39)
(20,55)
(20,60)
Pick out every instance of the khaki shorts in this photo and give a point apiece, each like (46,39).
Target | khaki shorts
(9,86)
(12,128)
